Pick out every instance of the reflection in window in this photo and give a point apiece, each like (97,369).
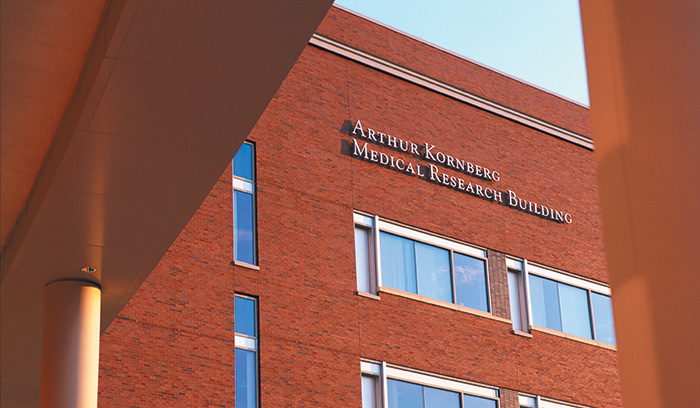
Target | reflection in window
(245,326)
(370,393)
(603,318)
(404,394)
(243,162)
(471,401)
(246,392)
(244,315)
(398,262)
(363,259)
(575,311)
(433,272)
(569,309)
(515,295)
(437,398)
(244,205)
(544,298)
(470,282)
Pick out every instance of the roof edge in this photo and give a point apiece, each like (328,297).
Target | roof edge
(450,91)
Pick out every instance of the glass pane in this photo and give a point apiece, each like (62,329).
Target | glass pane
(470,282)
(514,295)
(244,316)
(437,398)
(575,313)
(246,392)
(243,162)
(362,266)
(544,298)
(404,395)
(398,262)
(471,401)
(243,228)
(369,392)
(433,270)
(603,318)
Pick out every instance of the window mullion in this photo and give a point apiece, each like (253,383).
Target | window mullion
(526,291)
(415,265)
(452,272)
(590,315)
(385,390)
(377,255)
(561,311)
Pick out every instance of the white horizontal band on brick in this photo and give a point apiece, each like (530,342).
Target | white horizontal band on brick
(553,404)
(439,382)
(427,238)
(246,343)
(431,239)
(514,264)
(448,90)
(364,220)
(371,368)
(568,279)
(531,402)
(525,401)
(246,186)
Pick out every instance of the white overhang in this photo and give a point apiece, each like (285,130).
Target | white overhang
(117,119)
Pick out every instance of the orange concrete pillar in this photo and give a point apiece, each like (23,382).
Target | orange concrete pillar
(70,353)
(643,60)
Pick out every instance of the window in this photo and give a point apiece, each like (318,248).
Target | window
(516,294)
(563,303)
(244,240)
(525,401)
(370,396)
(408,395)
(420,263)
(561,307)
(603,318)
(364,260)
(404,388)
(245,319)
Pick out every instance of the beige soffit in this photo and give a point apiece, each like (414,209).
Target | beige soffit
(165,96)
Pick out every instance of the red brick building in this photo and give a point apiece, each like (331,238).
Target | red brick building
(410,226)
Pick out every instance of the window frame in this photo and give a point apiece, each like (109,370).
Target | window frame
(535,401)
(520,302)
(371,277)
(527,268)
(249,187)
(383,372)
(377,225)
(249,343)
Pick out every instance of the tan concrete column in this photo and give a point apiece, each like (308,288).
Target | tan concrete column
(70,354)
(643,60)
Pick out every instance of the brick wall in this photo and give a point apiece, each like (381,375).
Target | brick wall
(173,342)
(498,280)
(508,398)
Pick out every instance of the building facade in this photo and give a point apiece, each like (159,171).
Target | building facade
(403,228)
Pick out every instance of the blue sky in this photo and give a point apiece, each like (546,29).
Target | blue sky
(538,41)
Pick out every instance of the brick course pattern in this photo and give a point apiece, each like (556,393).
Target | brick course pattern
(173,344)
(508,398)
(498,280)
